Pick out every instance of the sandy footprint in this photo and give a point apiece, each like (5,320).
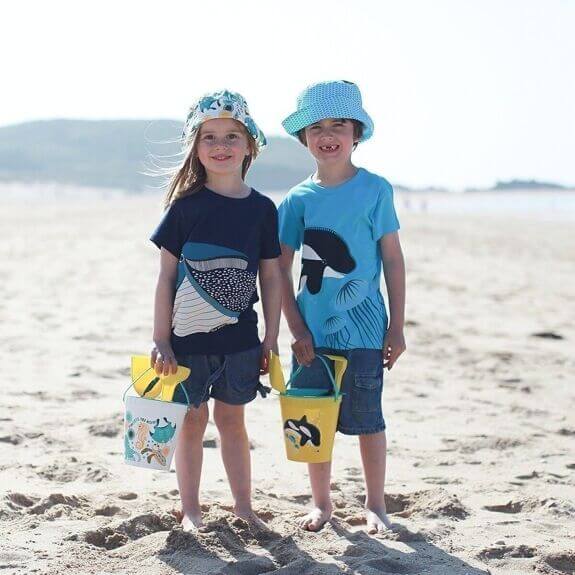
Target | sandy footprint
(57,505)
(502,551)
(114,536)
(549,505)
(557,562)
(432,503)
(108,427)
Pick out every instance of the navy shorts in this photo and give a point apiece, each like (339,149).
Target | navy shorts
(233,378)
(362,388)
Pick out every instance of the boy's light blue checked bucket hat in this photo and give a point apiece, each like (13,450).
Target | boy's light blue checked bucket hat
(221,104)
(337,99)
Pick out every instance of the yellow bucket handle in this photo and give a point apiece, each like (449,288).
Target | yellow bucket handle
(133,383)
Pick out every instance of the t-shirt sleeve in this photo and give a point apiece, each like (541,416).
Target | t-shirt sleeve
(170,233)
(270,245)
(383,217)
(291,222)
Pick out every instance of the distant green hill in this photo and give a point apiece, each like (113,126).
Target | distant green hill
(116,153)
(527,185)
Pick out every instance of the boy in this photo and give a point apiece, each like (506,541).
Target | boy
(344,220)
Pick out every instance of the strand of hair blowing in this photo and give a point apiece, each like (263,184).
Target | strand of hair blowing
(191,176)
(188,178)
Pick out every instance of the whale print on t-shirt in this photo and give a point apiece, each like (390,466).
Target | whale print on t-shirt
(324,254)
(213,288)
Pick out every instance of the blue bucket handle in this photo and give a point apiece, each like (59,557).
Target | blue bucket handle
(336,392)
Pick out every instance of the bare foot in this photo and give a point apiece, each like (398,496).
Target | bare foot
(191,521)
(377,520)
(315,519)
(248,515)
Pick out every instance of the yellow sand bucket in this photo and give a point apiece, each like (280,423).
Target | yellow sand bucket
(152,422)
(309,416)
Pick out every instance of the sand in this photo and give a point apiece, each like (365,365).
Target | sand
(481,469)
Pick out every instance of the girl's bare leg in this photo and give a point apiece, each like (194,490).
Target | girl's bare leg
(189,456)
(235,448)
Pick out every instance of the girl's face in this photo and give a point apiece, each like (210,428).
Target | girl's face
(330,140)
(222,146)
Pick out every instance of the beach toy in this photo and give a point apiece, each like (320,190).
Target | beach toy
(277,380)
(148,383)
(152,421)
(309,416)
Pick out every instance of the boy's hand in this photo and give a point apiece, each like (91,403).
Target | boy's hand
(302,347)
(162,358)
(267,346)
(393,346)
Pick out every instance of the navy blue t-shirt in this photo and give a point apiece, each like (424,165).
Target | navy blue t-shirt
(219,242)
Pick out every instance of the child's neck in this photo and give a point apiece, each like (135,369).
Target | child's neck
(333,175)
(230,185)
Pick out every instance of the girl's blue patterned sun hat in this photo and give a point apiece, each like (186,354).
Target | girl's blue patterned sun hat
(337,99)
(221,104)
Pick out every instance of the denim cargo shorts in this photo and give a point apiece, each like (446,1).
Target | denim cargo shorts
(362,386)
(233,378)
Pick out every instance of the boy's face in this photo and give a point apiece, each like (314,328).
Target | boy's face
(330,140)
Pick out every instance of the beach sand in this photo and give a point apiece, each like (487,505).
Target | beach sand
(480,411)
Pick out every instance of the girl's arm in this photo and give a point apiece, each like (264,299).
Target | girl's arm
(394,272)
(270,288)
(302,345)
(162,356)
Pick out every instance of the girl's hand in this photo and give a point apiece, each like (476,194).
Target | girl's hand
(393,346)
(302,347)
(162,358)
(267,346)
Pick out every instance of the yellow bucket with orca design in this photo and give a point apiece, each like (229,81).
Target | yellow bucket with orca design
(309,416)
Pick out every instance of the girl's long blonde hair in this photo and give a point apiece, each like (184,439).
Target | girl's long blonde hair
(190,176)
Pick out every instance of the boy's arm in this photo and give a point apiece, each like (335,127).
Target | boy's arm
(162,355)
(302,345)
(394,272)
(270,287)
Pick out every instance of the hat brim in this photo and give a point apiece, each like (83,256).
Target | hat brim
(312,114)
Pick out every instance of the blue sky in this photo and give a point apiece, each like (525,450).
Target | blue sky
(462,93)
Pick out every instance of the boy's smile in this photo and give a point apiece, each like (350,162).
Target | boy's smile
(331,139)
(329,148)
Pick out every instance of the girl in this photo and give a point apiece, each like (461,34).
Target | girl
(216,235)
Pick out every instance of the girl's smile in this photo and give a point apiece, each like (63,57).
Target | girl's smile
(222,145)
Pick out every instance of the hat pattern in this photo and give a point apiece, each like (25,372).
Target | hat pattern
(221,104)
(337,99)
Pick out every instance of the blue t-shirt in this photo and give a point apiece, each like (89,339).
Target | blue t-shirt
(339,228)
(219,242)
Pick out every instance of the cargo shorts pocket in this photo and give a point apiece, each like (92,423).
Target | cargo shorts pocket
(366,394)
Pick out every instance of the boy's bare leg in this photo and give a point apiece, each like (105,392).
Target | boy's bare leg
(373,448)
(319,477)
(189,456)
(235,449)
